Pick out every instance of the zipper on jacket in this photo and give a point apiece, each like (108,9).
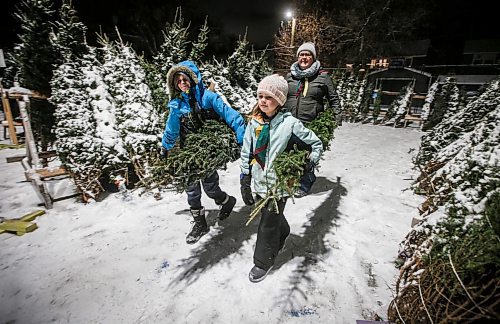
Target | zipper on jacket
(297,95)
(266,166)
(297,107)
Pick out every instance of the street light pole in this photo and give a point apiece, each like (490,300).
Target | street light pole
(289,14)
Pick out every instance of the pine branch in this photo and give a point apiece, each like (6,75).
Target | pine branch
(290,166)
(324,126)
(203,153)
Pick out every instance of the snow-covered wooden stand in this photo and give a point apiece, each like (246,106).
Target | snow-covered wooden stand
(33,169)
(411,115)
(9,124)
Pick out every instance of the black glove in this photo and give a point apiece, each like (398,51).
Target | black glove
(246,191)
(310,165)
(163,153)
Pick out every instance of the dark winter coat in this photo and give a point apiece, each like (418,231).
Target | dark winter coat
(320,87)
(188,111)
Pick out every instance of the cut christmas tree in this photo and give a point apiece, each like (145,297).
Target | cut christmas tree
(290,166)
(204,152)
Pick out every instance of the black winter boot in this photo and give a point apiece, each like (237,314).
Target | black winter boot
(199,228)
(227,207)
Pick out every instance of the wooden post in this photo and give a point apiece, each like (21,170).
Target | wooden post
(10,119)
(30,140)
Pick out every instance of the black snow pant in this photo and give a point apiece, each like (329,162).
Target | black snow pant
(273,231)
(211,188)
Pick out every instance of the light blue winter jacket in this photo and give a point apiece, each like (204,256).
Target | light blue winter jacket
(179,105)
(284,131)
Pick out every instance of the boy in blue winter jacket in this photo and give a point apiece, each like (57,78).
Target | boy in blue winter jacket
(190,105)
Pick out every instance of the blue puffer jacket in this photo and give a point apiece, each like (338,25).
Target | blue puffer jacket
(284,131)
(180,118)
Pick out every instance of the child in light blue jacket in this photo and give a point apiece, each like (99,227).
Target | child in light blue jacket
(269,133)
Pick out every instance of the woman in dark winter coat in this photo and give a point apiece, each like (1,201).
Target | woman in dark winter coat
(308,87)
(190,105)
(269,133)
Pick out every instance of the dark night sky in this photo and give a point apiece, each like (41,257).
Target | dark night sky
(261,16)
(456,19)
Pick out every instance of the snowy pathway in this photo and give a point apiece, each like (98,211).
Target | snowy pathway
(127,261)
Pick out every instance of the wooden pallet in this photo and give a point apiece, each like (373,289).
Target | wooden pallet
(51,172)
(35,169)
(20,157)
(410,118)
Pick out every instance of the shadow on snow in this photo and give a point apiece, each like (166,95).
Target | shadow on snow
(232,233)
(229,238)
(311,244)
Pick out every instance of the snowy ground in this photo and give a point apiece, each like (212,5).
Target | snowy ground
(122,261)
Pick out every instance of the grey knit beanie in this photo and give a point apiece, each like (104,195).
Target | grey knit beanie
(275,86)
(307,46)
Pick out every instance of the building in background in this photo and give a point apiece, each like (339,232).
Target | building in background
(407,63)
(388,82)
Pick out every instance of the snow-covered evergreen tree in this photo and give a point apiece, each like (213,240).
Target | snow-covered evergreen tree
(376,106)
(350,90)
(137,121)
(174,48)
(358,98)
(157,86)
(199,46)
(429,100)
(343,86)
(241,99)
(462,98)
(336,76)
(445,105)
(237,81)
(77,146)
(114,157)
(452,97)
(260,68)
(399,106)
(239,64)
(69,38)
(35,57)
(459,218)
(365,101)
(463,121)
(10,73)
(404,101)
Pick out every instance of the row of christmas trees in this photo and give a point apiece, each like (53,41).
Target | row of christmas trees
(360,105)
(107,106)
(450,261)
